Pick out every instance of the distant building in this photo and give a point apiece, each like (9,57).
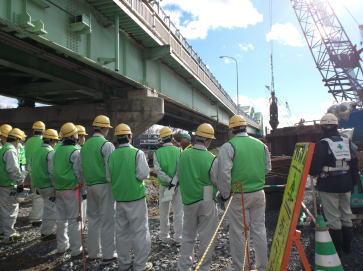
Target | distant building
(249,111)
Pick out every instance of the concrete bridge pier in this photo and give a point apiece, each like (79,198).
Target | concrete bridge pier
(140,109)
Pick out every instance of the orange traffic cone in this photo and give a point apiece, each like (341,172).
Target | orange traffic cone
(326,257)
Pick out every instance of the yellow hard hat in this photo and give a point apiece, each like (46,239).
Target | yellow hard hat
(236,121)
(102,121)
(329,119)
(24,135)
(5,129)
(81,130)
(122,129)
(51,134)
(165,131)
(205,130)
(68,129)
(38,125)
(16,132)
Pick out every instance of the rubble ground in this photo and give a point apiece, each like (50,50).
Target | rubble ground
(33,254)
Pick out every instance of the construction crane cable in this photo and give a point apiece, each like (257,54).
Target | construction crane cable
(354,19)
(272,50)
(274,119)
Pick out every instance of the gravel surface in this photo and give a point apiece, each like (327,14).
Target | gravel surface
(32,254)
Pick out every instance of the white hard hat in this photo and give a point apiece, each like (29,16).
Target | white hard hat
(329,119)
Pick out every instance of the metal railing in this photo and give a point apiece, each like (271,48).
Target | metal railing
(160,23)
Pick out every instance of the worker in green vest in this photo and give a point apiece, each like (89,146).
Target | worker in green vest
(197,176)
(32,146)
(21,152)
(165,161)
(67,175)
(243,163)
(41,175)
(59,142)
(81,134)
(100,202)
(185,141)
(4,131)
(128,169)
(11,181)
(81,140)
(34,143)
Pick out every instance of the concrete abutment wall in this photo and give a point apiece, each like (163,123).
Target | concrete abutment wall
(140,110)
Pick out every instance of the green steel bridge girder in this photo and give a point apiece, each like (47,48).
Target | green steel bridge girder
(103,36)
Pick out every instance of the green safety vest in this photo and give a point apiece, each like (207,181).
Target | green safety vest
(21,155)
(93,164)
(248,164)
(194,174)
(57,145)
(64,175)
(168,157)
(122,165)
(31,146)
(39,172)
(5,179)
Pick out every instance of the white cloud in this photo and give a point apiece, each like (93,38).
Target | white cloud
(286,34)
(6,102)
(246,47)
(196,18)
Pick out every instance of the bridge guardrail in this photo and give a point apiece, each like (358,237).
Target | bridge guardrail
(160,23)
(157,20)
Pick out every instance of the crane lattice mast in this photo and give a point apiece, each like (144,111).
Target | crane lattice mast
(335,56)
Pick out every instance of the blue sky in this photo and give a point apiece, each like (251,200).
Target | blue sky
(213,32)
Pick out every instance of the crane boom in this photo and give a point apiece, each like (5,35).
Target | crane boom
(336,58)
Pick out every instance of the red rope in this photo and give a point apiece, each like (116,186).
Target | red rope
(245,229)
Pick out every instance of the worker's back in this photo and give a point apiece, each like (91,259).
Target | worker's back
(122,165)
(194,174)
(31,146)
(168,157)
(93,164)
(248,164)
(64,175)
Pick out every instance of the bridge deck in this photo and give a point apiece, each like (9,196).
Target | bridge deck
(91,50)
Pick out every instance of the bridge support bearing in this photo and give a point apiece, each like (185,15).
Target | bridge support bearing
(140,110)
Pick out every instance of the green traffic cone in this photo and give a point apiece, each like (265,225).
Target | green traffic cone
(326,257)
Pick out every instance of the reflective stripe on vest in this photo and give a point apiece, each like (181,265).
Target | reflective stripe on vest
(188,147)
